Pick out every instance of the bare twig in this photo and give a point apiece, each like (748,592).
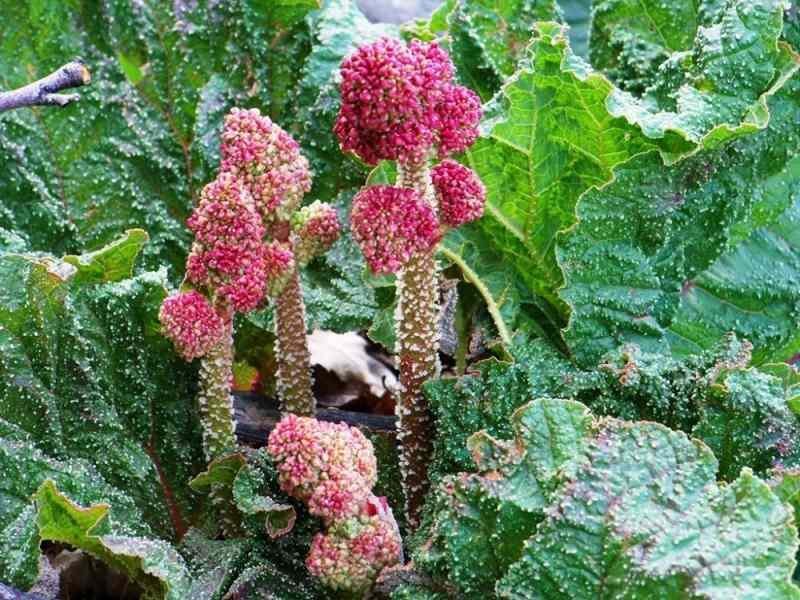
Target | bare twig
(44,91)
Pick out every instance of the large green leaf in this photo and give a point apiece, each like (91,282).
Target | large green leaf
(644,516)
(631,39)
(24,470)
(582,508)
(548,137)
(678,256)
(485,521)
(558,129)
(742,413)
(152,564)
(488,38)
(86,376)
(753,289)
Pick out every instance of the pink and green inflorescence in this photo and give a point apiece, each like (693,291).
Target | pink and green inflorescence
(271,168)
(267,161)
(245,251)
(315,228)
(391,224)
(400,102)
(226,273)
(228,252)
(189,320)
(351,553)
(332,468)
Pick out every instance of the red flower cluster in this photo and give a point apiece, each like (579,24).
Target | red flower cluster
(191,323)
(460,112)
(328,465)
(400,100)
(332,468)
(390,224)
(267,160)
(460,192)
(228,254)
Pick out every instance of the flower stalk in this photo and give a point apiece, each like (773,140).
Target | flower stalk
(214,397)
(400,103)
(417,347)
(250,241)
(268,162)
(291,350)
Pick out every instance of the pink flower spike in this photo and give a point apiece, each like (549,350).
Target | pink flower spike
(189,320)
(389,93)
(459,113)
(308,452)
(228,254)
(339,498)
(267,160)
(460,192)
(353,552)
(390,224)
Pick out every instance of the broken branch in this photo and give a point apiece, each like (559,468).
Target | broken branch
(44,92)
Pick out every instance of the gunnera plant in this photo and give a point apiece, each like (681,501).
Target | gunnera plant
(268,161)
(251,238)
(400,103)
(227,272)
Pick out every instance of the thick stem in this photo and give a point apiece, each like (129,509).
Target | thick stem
(418,345)
(216,402)
(43,91)
(294,359)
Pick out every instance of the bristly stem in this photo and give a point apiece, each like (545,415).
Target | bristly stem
(291,349)
(215,400)
(418,344)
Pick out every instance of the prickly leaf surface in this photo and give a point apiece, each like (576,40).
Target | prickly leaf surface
(608,509)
